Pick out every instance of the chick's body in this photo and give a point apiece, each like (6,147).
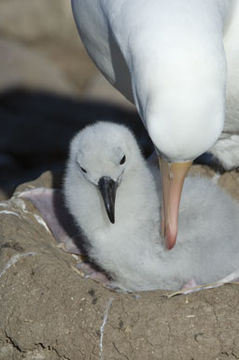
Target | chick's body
(131,250)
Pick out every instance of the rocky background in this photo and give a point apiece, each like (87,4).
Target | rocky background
(49,89)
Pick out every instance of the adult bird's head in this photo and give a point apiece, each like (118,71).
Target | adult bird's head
(181,101)
(103,155)
(180,133)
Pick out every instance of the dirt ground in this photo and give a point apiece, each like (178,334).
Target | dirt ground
(49,311)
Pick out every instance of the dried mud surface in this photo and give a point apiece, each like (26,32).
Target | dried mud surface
(48,311)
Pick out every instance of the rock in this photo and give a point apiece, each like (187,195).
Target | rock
(48,27)
(100,89)
(48,311)
(201,170)
(44,124)
(23,68)
(71,59)
(32,21)
(230,182)
(38,116)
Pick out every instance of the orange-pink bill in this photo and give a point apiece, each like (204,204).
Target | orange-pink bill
(172,175)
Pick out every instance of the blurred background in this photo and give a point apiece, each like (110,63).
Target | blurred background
(49,89)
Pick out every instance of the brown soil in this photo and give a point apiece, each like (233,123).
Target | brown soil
(48,311)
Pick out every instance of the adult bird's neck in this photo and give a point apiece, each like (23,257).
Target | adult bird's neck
(177,63)
(173,44)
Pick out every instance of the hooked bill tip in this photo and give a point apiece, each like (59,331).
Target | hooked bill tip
(108,187)
(170,239)
(112,218)
(169,244)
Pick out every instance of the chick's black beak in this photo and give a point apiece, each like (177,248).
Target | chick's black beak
(108,187)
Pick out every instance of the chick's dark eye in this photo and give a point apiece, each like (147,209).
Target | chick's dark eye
(122,161)
(84,170)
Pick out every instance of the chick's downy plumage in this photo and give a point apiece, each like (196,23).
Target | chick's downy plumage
(130,248)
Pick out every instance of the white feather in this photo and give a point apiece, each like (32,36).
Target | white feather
(177,61)
(131,250)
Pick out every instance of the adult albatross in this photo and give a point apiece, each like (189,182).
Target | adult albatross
(170,58)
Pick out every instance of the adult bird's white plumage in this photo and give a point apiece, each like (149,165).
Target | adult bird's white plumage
(123,231)
(178,61)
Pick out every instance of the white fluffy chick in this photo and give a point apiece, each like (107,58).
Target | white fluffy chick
(113,197)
